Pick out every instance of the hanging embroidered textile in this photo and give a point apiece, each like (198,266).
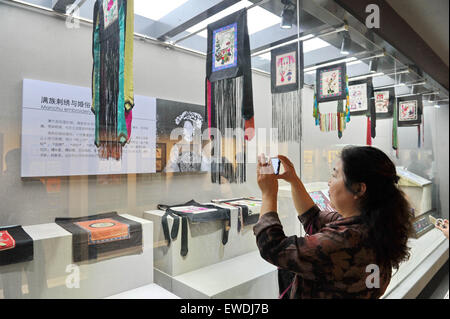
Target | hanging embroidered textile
(384,102)
(410,113)
(331,85)
(16,245)
(361,104)
(249,209)
(229,97)
(286,80)
(195,213)
(112,75)
(102,236)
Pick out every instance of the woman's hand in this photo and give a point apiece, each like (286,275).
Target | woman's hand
(443,228)
(289,174)
(267,180)
(268,183)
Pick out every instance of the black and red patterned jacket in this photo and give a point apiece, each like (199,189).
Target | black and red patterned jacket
(330,262)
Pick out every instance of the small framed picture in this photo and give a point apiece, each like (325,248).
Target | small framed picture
(359,93)
(384,102)
(331,83)
(409,110)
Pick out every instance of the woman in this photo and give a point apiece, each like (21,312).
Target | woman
(349,253)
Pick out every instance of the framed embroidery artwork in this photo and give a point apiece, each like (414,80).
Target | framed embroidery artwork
(359,93)
(284,68)
(409,110)
(331,83)
(225,47)
(384,102)
(110,11)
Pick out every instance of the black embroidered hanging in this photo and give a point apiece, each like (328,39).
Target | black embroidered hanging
(102,236)
(360,103)
(15,245)
(249,209)
(331,85)
(229,97)
(286,81)
(195,213)
(410,112)
(112,75)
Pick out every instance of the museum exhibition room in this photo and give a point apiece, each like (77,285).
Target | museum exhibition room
(224,149)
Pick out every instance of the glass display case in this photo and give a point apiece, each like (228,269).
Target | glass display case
(50,170)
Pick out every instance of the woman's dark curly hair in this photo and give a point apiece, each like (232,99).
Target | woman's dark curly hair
(384,208)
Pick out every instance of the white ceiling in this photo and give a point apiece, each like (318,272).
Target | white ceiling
(429,19)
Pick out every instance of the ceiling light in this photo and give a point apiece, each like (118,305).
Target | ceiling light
(155,10)
(373,65)
(346,43)
(258,18)
(287,15)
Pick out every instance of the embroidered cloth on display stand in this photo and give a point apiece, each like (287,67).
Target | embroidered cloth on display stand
(195,213)
(286,80)
(16,245)
(360,103)
(102,236)
(249,209)
(331,85)
(112,75)
(229,96)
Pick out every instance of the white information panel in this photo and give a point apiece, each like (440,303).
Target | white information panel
(58,130)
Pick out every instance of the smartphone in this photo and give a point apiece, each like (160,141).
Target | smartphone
(276,163)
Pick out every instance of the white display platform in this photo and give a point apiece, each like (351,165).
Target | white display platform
(428,254)
(244,277)
(52,274)
(151,291)
(204,243)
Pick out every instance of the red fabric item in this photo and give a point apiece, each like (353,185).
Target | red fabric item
(250,129)
(369,132)
(128,120)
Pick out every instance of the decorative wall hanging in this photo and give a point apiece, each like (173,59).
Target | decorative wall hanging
(196,213)
(410,113)
(286,80)
(112,75)
(16,245)
(229,97)
(331,85)
(384,102)
(360,103)
(102,236)
(249,209)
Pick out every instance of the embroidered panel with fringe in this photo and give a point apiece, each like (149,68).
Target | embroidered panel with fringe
(229,97)
(332,85)
(286,82)
(112,75)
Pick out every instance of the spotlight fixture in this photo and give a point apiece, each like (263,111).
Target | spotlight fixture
(346,43)
(432,98)
(373,65)
(287,16)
